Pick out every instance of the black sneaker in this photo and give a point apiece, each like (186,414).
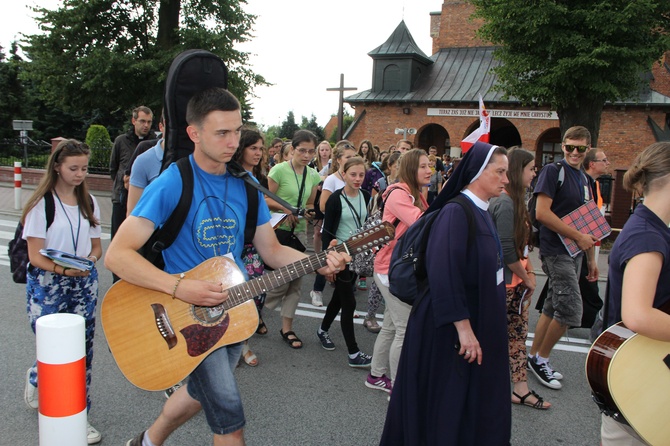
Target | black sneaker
(557,375)
(326,342)
(544,374)
(360,361)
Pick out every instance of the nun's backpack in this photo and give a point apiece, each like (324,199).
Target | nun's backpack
(408,275)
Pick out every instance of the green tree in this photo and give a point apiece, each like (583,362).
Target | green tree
(314,127)
(288,126)
(12,97)
(108,56)
(574,55)
(347,120)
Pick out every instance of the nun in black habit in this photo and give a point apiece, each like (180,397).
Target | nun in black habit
(452,385)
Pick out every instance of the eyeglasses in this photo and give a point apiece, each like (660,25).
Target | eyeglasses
(570,148)
(306,151)
(604,160)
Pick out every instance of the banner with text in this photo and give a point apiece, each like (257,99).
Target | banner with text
(510,114)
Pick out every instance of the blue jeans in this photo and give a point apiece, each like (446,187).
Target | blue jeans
(213,384)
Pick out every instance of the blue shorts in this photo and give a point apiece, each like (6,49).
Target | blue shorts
(564,300)
(213,384)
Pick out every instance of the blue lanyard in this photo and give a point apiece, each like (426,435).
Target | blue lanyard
(75,240)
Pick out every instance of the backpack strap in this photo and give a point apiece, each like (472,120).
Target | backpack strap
(252,213)
(49,208)
(561,174)
(463,201)
(167,234)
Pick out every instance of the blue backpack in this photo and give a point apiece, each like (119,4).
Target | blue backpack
(407,271)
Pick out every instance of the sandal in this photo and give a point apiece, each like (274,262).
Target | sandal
(371,325)
(249,357)
(293,342)
(262,328)
(539,404)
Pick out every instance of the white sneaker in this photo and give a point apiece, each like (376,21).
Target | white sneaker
(30,394)
(92,434)
(317,298)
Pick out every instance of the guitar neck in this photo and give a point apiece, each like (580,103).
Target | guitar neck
(243,292)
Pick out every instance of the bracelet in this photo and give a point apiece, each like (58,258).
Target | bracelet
(54,268)
(64,269)
(176,284)
(531,272)
(96,259)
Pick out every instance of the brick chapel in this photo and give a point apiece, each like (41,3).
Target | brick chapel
(434,100)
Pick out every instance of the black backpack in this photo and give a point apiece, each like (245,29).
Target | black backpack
(532,207)
(407,271)
(18,247)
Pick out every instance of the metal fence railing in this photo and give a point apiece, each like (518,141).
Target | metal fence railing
(35,154)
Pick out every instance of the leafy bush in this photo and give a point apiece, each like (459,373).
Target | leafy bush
(97,137)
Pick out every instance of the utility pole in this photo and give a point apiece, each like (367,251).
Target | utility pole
(340,110)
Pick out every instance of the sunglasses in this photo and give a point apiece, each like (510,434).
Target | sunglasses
(306,151)
(570,148)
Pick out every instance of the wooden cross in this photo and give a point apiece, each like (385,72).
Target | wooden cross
(340,110)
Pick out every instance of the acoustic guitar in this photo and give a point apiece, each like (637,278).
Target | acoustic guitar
(630,375)
(158,341)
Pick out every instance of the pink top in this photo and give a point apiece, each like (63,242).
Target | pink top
(399,205)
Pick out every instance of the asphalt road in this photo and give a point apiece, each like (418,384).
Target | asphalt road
(294,397)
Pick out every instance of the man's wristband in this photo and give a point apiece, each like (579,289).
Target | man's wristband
(531,272)
(176,284)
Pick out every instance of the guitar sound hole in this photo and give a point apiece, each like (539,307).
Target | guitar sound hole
(207,315)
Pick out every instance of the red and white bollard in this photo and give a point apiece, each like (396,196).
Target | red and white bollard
(17,185)
(61,378)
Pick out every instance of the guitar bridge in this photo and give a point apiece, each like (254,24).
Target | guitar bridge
(163,324)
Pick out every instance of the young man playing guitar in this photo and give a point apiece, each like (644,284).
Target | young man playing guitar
(214,227)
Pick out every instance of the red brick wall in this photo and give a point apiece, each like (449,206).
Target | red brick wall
(33,176)
(456,28)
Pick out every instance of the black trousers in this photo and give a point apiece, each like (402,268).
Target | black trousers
(345,300)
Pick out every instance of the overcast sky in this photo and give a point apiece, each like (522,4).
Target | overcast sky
(300,46)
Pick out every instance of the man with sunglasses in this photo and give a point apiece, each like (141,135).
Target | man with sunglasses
(556,198)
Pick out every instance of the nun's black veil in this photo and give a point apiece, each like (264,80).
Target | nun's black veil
(468,168)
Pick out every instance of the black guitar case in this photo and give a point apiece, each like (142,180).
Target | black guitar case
(190,72)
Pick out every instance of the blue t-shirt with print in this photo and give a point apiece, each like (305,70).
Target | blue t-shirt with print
(643,232)
(574,192)
(215,221)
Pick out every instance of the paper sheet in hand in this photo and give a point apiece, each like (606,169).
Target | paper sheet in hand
(586,219)
(67,260)
(276,219)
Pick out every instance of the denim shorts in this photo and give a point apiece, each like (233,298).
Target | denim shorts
(564,300)
(213,384)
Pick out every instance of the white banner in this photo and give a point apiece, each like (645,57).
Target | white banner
(509,114)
